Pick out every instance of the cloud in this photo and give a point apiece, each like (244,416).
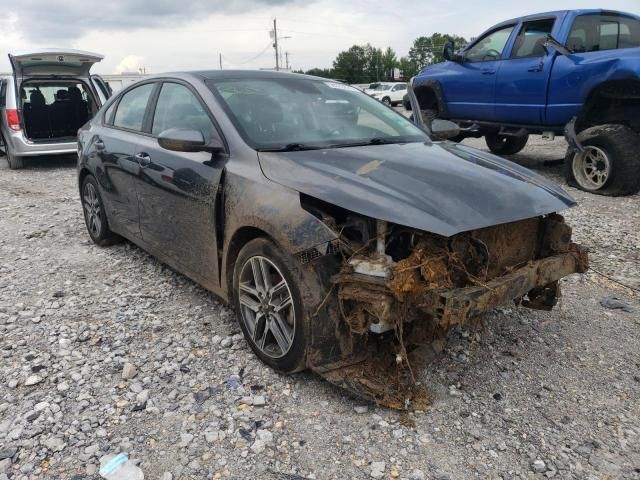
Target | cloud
(67,20)
(130,63)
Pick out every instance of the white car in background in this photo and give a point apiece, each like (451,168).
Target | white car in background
(389,93)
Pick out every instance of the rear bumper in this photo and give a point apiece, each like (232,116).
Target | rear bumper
(23,147)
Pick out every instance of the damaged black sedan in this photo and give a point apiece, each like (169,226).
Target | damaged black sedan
(344,236)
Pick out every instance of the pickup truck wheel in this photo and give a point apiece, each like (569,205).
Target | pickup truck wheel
(609,164)
(269,304)
(505,144)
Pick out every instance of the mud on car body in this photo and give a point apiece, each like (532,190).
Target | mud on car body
(343,235)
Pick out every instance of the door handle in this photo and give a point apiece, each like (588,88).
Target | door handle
(488,72)
(99,144)
(143,159)
(536,68)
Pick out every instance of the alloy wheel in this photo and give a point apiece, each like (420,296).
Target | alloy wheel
(266,306)
(92,209)
(591,168)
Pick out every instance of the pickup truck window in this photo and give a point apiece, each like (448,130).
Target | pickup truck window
(530,41)
(594,33)
(490,47)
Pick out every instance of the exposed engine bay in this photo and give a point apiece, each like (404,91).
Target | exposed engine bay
(400,289)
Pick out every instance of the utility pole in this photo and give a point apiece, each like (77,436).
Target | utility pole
(220,60)
(286,56)
(275,44)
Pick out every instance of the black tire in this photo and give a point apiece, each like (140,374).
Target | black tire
(620,144)
(15,162)
(505,144)
(95,217)
(387,101)
(287,268)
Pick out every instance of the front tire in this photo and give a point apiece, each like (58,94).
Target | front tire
(269,305)
(609,164)
(505,144)
(95,217)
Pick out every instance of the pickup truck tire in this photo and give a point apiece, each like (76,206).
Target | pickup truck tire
(505,144)
(609,165)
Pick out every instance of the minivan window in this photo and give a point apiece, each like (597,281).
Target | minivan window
(490,47)
(132,106)
(594,33)
(530,41)
(3,93)
(178,107)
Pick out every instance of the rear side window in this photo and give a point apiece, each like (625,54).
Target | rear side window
(132,106)
(530,41)
(108,115)
(178,107)
(490,47)
(594,33)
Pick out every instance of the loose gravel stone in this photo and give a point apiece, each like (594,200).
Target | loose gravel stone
(193,408)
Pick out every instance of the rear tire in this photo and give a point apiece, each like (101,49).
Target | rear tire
(277,335)
(387,101)
(609,165)
(95,216)
(505,144)
(15,162)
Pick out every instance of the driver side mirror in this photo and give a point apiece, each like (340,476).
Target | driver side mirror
(187,140)
(443,129)
(449,52)
(556,45)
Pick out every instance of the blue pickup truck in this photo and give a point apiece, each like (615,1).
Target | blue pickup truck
(571,72)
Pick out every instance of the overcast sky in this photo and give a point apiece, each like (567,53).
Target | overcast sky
(165,35)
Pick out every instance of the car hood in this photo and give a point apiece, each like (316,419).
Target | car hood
(444,188)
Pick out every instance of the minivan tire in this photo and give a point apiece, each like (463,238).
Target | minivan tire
(294,360)
(101,235)
(15,162)
(505,144)
(619,144)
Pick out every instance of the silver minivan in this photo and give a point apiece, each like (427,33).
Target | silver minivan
(50,95)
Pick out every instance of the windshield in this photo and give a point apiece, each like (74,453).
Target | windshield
(276,113)
(379,88)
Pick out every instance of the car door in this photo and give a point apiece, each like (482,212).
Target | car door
(177,191)
(398,91)
(597,42)
(523,78)
(115,144)
(469,86)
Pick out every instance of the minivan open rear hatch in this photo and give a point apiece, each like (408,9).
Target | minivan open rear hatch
(53,62)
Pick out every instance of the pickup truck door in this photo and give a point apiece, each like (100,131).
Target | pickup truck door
(523,78)
(469,87)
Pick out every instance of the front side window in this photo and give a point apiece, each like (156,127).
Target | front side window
(132,106)
(272,113)
(399,87)
(178,107)
(594,33)
(490,47)
(530,41)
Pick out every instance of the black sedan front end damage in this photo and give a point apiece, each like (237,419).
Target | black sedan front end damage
(399,290)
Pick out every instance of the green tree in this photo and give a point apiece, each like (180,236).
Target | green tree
(374,70)
(351,65)
(321,72)
(407,68)
(389,62)
(428,50)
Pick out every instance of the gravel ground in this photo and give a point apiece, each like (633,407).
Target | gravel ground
(105,350)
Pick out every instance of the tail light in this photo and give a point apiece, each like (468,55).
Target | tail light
(13,119)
